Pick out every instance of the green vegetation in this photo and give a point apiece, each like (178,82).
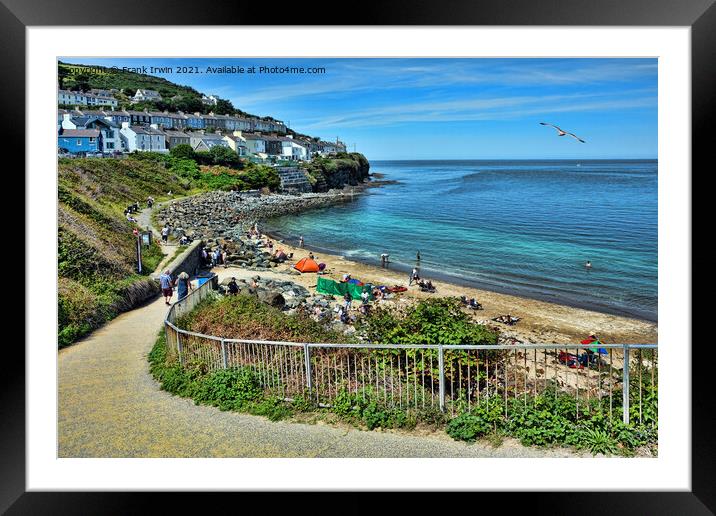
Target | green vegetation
(345,168)
(244,316)
(174,96)
(218,169)
(549,419)
(556,419)
(97,275)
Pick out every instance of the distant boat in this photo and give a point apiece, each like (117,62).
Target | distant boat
(579,164)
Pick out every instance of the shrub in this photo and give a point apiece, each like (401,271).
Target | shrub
(183,151)
(229,388)
(481,420)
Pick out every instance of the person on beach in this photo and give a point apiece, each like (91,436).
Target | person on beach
(223,258)
(417,255)
(165,281)
(310,255)
(183,285)
(414,276)
(347,300)
(365,297)
(165,233)
(300,241)
(233,287)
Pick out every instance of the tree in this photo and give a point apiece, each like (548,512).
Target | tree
(183,151)
(224,107)
(224,156)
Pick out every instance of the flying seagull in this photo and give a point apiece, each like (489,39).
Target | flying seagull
(560,132)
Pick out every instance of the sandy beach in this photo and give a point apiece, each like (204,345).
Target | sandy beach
(540,322)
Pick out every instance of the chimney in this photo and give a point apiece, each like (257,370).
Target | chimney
(237,133)
(154,126)
(125,125)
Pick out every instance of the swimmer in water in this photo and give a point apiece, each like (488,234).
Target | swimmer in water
(588,265)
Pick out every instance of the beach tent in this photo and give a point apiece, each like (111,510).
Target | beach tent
(306,265)
(334,288)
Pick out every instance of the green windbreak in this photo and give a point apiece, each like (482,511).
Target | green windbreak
(334,288)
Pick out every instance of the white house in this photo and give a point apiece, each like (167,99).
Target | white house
(143,138)
(293,150)
(211,100)
(237,143)
(146,95)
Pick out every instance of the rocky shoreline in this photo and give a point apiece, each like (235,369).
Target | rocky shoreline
(230,214)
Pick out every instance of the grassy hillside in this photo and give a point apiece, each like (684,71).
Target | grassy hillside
(189,99)
(97,276)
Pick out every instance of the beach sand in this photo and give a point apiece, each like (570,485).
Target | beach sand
(540,322)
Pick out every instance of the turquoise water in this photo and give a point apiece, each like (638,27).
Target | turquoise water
(521,227)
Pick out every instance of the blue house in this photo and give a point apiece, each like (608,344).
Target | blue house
(78,141)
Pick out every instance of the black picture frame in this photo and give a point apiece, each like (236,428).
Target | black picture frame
(700,15)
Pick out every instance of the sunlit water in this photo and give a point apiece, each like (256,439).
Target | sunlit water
(522,227)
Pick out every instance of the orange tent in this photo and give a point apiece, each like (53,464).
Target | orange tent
(306,265)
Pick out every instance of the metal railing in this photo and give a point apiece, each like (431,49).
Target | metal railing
(448,378)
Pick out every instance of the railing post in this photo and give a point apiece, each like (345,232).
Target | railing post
(179,348)
(625,385)
(307,361)
(223,354)
(441,366)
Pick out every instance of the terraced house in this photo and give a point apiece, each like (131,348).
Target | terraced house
(78,98)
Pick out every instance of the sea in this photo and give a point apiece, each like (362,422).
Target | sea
(517,227)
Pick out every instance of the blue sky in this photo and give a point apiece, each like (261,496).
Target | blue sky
(446,108)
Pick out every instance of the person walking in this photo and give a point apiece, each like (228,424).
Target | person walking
(165,281)
(165,233)
(183,285)
(300,242)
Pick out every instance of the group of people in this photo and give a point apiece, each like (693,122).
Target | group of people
(182,284)
(129,210)
(470,303)
(506,319)
(213,258)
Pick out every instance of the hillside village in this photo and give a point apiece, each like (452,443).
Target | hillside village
(94,126)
